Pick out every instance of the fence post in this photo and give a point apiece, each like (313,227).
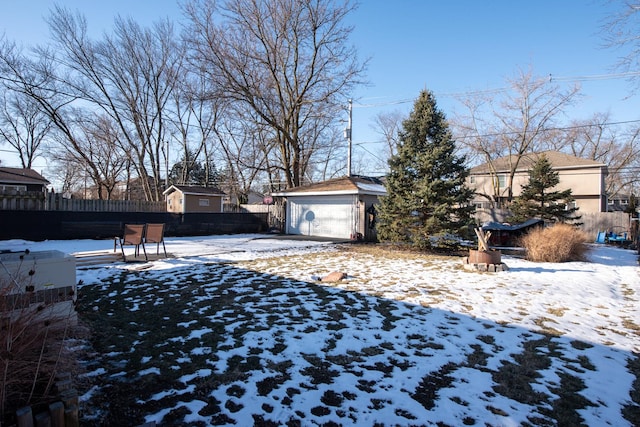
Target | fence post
(56,412)
(24,417)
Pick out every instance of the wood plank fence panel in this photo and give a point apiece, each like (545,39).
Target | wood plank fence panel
(618,222)
(56,202)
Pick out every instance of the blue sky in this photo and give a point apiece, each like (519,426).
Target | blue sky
(450,47)
(456,47)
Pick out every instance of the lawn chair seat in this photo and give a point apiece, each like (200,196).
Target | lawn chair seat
(155,234)
(133,236)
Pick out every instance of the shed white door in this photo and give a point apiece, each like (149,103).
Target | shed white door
(325,216)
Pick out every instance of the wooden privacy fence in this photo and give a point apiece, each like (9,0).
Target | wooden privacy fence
(22,201)
(618,222)
(53,225)
(56,202)
(276,214)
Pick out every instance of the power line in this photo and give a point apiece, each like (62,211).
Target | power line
(595,77)
(550,79)
(550,129)
(380,141)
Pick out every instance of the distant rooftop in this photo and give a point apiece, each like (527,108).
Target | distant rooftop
(195,189)
(344,185)
(21,176)
(557,159)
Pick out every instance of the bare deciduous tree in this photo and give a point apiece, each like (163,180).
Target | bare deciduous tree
(112,156)
(388,124)
(128,76)
(244,150)
(23,126)
(512,123)
(600,140)
(621,32)
(37,80)
(288,62)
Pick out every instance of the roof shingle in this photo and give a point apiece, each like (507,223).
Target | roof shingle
(21,176)
(355,184)
(557,159)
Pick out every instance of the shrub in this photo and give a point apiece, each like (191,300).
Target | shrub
(558,243)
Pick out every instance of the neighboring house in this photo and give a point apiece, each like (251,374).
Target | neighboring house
(339,208)
(585,178)
(20,181)
(187,199)
(132,189)
(618,203)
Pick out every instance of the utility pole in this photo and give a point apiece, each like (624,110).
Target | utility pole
(348,135)
(166,166)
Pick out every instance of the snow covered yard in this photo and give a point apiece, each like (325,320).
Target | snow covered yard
(237,330)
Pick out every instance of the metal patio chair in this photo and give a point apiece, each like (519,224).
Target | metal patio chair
(133,236)
(155,234)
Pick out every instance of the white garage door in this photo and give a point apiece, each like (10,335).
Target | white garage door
(326,216)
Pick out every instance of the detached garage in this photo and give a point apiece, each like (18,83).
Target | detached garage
(188,199)
(341,208)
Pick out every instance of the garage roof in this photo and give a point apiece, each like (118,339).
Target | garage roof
(195,189)
(21,176)
(346,185)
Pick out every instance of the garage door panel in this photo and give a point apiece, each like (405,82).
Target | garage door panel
(321,216)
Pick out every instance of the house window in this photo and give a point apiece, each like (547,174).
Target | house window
(610,201)
(502,181)
(181,201)
(203,202)
(11,188)
(472,179)
(624,201)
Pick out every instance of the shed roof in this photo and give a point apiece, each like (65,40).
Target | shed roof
(21,176)
(195,190)
(493,226)
(557,159)
(346,185)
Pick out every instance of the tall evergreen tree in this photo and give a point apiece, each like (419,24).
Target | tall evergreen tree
(426,193)
(188,171)
(538,200)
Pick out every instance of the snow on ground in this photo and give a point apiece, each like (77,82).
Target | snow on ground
(237,330)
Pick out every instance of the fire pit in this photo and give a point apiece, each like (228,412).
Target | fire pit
(484,258)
